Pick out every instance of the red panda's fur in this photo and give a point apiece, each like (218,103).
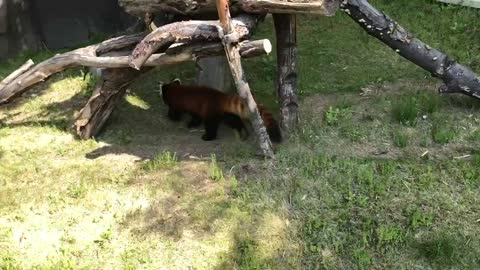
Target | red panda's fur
(211,106)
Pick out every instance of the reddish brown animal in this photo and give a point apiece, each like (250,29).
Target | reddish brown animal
(212,107)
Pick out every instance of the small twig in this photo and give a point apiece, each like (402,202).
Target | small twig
(462,157)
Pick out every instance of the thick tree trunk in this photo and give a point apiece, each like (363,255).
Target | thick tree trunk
(192,8)
(232,51)
(110,89)
(285,28)
(457,78)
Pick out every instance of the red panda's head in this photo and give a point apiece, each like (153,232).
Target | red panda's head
(167,87)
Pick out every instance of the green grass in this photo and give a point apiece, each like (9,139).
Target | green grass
(163,160)
(400,138)
(215,173)
(405,110)
(349,189)
(442,132)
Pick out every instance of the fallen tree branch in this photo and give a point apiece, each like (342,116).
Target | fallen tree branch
(16,73)
(192,8)
(232,51)
(187,31)
(45,69)
(109,90)
(457,78)
(86,57)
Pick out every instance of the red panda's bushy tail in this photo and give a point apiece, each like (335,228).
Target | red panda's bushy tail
(273,129)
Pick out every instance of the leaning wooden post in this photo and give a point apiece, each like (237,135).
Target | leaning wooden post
(109,90)
(230,43)
(285,29)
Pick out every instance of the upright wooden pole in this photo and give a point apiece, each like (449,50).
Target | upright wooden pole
(233,56)
(285,29)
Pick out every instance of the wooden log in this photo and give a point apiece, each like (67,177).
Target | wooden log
(113,83)
(457,78)
(467,3)
(16,73)
(192,8)
(186,31)
(109,90)
(233,56)
(118,43)
(285,29)
(86,57)
(60,62)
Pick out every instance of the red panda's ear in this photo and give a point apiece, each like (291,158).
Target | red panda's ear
(176,81)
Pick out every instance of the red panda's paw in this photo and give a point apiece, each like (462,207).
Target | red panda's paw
(207,137)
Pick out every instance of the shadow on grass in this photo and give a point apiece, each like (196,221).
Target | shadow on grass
(447,250)
(211,216)
(59,115)
(184,200)
(139,126)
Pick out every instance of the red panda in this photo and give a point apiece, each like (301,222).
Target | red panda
(212,107)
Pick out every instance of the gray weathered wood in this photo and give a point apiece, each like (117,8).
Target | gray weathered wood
(186,31)
(87,57)
(16,73)
(468,3)
(194,8)
(285,29)
(109,90)
(232,52)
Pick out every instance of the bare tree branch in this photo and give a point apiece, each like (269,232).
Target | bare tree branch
(457,78)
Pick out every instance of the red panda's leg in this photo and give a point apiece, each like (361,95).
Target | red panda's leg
(236,123)
(195,121)
(211,127)
(174,115)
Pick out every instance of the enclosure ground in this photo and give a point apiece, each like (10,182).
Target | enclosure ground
(383,172)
